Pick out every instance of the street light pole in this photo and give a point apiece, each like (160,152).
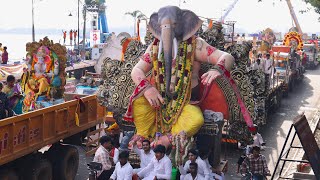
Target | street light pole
(78,25)
(33,34)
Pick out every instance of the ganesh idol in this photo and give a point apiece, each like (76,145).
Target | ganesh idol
(168,104)
(43,69)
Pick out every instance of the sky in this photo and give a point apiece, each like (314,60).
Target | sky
(249,15)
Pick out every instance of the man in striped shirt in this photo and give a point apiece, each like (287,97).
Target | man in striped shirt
(255,164)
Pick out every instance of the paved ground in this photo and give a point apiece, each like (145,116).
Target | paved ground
(305,98)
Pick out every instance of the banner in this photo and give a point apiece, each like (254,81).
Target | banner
(94,37)
(15,70)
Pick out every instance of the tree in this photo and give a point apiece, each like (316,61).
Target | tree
(137,15)
(315,4)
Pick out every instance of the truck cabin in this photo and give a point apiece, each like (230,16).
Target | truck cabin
(311,51)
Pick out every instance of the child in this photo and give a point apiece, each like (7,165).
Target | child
(240,161)
(13,91)
(123,169)
(5,111)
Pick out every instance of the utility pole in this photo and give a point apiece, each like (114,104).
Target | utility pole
(33,34)
(231,23)
(78,25)
(84,26)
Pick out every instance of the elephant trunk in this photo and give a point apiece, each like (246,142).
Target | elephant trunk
(167,43)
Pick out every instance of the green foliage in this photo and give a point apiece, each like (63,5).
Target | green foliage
(315,4)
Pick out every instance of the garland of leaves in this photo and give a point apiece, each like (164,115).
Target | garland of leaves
(182,69)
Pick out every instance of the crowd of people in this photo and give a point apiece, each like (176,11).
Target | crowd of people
(4,55)
(10,98)
(154,163)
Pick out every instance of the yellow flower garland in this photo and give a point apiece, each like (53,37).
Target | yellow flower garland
(168,114)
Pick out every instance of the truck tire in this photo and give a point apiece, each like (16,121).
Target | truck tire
(39,170)
(66,166)
(8,175)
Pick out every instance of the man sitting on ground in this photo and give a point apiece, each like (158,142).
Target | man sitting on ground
(193,175)
(160,167)
(145,154)
(102,156)
(123,169)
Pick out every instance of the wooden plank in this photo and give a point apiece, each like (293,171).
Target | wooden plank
(52,138)
(95,131)
(92,142)
(91,152)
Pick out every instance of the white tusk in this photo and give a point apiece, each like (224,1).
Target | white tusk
(160,50)
(175,48)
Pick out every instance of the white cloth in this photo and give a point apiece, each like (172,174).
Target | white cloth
(161,169)
(102,156)
(257,141)
(122,173)
(202,168)
(213,175)
(268,66)
(189,177)
(145,159)
(256,66)
(116,156)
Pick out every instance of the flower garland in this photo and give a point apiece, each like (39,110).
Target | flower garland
(168,114)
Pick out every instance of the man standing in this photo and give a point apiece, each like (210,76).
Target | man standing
(160,167)
(75,34)
(193,175)
(123,169)
(102,156)
(71,36)
(145,154)
(256,165)
(268,68)
(64,36)
(5,55)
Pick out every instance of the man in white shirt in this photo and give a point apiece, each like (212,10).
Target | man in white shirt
(123,169)
(102,156)
(145,154)
(217,175)
(268,69)
(193,175)
(268,65)
(257,141)
(193,156)
(160,166)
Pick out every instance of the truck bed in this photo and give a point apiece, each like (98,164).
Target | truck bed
(27,133)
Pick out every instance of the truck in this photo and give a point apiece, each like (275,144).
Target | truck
(311,52)
(55,127)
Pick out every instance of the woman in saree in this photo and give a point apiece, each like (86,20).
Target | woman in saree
(13,91)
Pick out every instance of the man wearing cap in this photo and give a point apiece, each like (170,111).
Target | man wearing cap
(160,166)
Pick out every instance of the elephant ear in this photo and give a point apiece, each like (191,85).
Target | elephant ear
(154,26)
(190,24)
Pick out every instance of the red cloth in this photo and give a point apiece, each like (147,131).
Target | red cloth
(136,94)
(243,108)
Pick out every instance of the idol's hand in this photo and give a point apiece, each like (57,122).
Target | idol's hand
(208,77)
(153,96)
